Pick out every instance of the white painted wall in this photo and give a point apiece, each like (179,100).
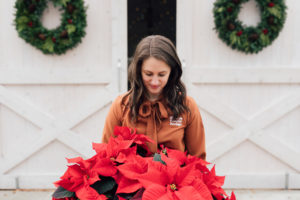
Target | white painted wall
(250,103)
(52,107)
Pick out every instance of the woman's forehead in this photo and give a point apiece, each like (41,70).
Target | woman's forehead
(154,64)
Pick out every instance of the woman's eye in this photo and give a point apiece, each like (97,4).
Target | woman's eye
(161,75)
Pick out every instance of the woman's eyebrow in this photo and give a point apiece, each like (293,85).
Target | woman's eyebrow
(152,72)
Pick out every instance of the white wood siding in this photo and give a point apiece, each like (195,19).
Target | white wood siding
(250,103)
(52,107)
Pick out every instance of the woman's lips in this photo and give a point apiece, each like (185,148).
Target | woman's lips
(154,87)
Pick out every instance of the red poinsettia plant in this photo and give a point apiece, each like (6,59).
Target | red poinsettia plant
(124,169)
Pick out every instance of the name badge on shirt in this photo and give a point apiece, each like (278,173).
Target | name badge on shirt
(176,122)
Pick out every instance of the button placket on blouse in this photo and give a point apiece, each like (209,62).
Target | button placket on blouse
(153,113)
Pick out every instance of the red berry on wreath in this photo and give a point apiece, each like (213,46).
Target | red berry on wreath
(265,31)
(30,24)
(271,4)
(249,39)
(239,33)
(229,9)
(29,27)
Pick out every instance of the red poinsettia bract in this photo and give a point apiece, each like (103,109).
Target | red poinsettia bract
(215,183)
(131,171)
(171,181)
(111,154)
(125,133)
(169,175)
(66,198)
(78,179)
(130,135)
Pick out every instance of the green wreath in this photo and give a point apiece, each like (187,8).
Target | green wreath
(55,41)
(249,39)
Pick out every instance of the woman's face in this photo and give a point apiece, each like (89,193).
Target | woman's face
(155,75)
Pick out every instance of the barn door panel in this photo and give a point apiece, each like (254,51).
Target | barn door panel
(250,103)
(53,107)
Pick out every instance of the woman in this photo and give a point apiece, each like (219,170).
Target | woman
(157,105)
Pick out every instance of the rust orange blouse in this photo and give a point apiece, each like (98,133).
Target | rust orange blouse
(185,133)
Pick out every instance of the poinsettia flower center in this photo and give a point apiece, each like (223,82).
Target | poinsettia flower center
(112,159)
(173,187)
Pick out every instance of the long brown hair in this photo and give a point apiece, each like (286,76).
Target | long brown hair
(174,92)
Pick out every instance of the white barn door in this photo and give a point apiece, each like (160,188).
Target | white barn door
(250,103)
(52,107)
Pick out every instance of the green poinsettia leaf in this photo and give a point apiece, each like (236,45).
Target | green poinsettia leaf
(23,20)
(66,42)
(265,40)
(238,41)
(70,28)
(105,185)
(21,27)
(48,45)
(221,9)
(61,192)
(275,11)
(233,38)
(245,45)
(157,157)
(64,2)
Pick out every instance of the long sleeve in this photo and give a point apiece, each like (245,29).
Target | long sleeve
(194,132)
(113,119)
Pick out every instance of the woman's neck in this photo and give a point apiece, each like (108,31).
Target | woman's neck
(153,97)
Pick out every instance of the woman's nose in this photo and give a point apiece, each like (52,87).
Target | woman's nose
(154,81)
